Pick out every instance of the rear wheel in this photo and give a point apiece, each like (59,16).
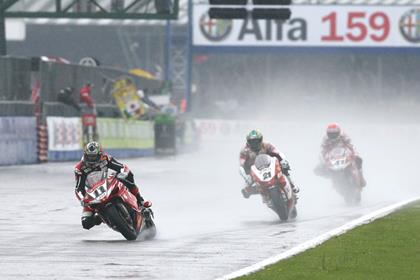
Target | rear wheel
(279,205)
(119,218)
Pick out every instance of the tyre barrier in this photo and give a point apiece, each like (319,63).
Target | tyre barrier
(42,143)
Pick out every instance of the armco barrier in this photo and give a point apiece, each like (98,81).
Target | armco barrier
(119,137)
(18,140)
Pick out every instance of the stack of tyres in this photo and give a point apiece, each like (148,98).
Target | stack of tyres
(165,135)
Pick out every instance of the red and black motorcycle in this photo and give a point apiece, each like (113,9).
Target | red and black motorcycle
(117,206)
(274,186)
(340,162)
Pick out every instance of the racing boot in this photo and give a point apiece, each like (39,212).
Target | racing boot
(249,190)
(89,222)
(88,218)
(97,219)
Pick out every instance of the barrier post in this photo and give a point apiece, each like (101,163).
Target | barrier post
(3,49)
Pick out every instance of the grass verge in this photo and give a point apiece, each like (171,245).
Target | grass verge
(388,248)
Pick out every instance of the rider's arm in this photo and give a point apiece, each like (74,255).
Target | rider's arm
(242,157)
(80,182)
(243,169)
(124,173)
(114,164)
(347,142)
(284,163)
(274,152)
(324,148)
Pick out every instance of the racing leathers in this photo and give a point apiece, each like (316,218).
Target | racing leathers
(82,170)
(329,144)
(247,158)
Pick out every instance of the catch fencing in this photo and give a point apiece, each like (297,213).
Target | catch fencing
(19,75)
(36,127)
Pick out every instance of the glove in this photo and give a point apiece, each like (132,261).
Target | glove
(122,175)
(285,165)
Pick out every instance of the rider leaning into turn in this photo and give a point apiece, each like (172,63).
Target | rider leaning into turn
(254,147)
(333,138)
(94,159)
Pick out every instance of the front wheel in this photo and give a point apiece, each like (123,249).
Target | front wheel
(279,204)
(149,230)
(120,220)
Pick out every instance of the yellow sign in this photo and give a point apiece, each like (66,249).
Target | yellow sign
(124,92)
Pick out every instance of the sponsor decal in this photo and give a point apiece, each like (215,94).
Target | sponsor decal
(215,30)
(89,61)
(410,25)
(315,26)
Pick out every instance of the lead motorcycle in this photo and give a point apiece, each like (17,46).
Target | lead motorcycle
(340,162)
(274,187)
(117,206)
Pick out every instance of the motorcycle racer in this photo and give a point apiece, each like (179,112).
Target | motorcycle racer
(255,146)
(94,159)
(333,138)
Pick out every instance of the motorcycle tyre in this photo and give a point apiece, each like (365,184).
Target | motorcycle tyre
(293,213)
(118,220)
(150,228)
(279,205)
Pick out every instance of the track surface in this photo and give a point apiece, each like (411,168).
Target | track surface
(205,228)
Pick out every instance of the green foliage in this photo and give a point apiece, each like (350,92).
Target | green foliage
(388,248)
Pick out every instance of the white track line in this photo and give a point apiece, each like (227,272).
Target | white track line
(320,239)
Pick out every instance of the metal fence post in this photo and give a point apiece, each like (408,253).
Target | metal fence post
(3,50)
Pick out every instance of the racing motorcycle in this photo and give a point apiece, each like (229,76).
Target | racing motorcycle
(340,161)
(274,186)
(117,206)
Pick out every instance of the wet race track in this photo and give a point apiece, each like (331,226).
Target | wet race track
(205,228)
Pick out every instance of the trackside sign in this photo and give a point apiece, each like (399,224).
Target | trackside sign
(314,26)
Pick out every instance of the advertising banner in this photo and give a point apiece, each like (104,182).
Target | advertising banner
(64,134)
(18,142)
(314,26)
(127,134)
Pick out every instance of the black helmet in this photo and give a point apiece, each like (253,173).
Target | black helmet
(254,140)
(92,153)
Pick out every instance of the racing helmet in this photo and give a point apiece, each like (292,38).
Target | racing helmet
(333,131)
(254,140)
(92,153)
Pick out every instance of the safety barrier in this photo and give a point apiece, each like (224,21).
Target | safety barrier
(126,138)
(18,142)
(25,141)
(120,137)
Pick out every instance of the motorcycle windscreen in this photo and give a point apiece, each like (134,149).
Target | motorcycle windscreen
(95,177)
(262,161)
(338,152)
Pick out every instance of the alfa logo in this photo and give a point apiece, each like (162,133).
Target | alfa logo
(215,30)
(410,25)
